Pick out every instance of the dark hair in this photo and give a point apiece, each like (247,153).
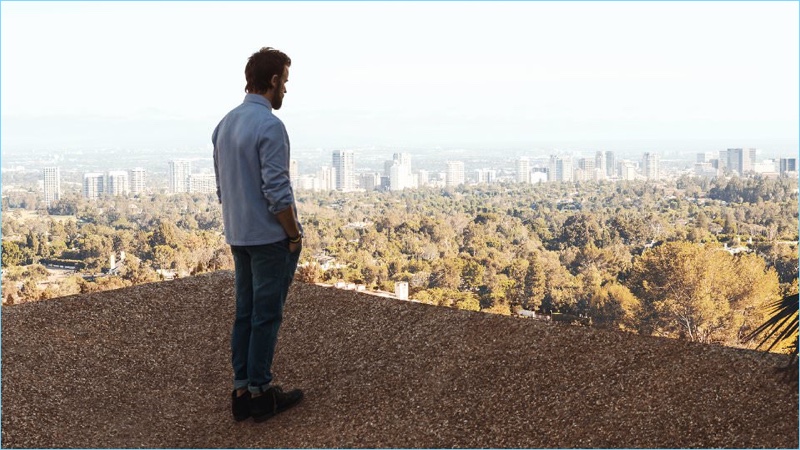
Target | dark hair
(260,68)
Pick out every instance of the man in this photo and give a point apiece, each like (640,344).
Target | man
(251,162)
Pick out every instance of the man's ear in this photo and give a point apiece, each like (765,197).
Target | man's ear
(274,81)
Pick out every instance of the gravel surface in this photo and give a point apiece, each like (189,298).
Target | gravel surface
(148,366)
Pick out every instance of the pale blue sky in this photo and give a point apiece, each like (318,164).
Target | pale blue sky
(404,73)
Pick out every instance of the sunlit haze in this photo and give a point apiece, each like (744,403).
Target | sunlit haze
(406,74)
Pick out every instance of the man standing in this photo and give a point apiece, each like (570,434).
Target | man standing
(251,163)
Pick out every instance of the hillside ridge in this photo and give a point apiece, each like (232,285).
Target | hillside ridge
(148,366)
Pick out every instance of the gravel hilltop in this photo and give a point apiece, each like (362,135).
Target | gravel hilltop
(148,366)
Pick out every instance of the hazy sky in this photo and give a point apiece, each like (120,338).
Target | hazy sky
(403,73)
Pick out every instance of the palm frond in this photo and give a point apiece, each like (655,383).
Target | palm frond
(782,324)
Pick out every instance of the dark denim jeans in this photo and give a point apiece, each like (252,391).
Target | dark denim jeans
(263,276)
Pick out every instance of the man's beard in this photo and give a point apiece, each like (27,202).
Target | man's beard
(277,98)
(277,102)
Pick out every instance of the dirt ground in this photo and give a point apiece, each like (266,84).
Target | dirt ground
(149,366)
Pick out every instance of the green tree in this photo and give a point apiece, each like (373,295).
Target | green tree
(12,255)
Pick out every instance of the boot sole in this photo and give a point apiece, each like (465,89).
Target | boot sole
(262,418)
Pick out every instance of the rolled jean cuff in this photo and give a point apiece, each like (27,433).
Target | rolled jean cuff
(240,384)
(258,389)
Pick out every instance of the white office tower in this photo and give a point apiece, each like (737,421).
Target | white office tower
(202,183)
(397,177)
(402,158)
(137,179)
(327,179)
(455,173)
(398,172)
(422,178)
(52,185)
(93,185)
(179,171)
(345,170)
(627,170)
(486,176)
(117,183)
(611,164)
(601,173)
(585,170)
(560,168)
(294,170)
(523,170)
(650,165)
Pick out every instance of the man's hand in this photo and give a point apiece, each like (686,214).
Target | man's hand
(295,247)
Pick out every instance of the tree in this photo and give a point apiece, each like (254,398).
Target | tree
(697,291)
(163,256)
(534,284)
(29,291)
(581,230)
(12,255)
(614,305)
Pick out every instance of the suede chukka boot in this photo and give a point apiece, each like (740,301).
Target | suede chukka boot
(240,406)
(273,401)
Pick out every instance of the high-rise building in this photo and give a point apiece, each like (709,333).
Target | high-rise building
(751,155)
(93,185)
(585,169)
(52,185)
(627,170)
(117,183)
(738,160)
(600,166)
(611,164)
(487,176)
(560,168)
(787,165)
(455,173)
(523,170)
(137,180)
(327,179)
(179,171)
(399,172)
(345,170)
(723,159)
(202,183)
(422,178)
(370,181)
(650,165)
(402,158)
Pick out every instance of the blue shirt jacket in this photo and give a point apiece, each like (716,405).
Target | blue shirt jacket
(251,163)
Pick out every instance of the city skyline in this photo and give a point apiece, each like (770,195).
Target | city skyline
(515,74)
(346,175)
